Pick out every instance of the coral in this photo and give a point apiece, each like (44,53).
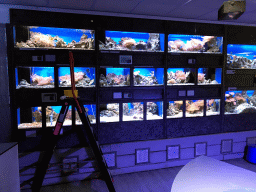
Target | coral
(201,77)
(37,115)
(39,80)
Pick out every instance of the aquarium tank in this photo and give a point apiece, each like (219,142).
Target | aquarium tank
(84,76)
(195,44)
(133,111)
(114,77)
(148,76)
(30,117)
(91,113)
(109,112)
(52,114)
(212,107)
(241,56)
(133,41)
(194,108)
(53,38)
(34,77)
(154,110)
(209,76)
(180,76)
(240,101)
(175,109)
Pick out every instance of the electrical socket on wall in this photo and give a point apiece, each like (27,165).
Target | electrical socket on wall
(70,165)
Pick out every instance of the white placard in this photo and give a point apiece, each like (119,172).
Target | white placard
(190,92)
(117,95)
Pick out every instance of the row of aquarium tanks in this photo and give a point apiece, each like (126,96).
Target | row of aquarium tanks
(43,77)
(32,117)
(236,102)
(238,56)
(67,38)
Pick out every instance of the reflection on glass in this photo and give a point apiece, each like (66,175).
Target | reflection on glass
(84,76)
(114,77)
(175,109)
(52,114)
(148,76)
(195,44)
(53,38)
(109,112)
(213,107)
(91,112)
(238,102)
(133,41)
(29,117)
(194,108)
(180,76)
(241,56)
(154,110)
(207,76)
(133,111)
(34,77)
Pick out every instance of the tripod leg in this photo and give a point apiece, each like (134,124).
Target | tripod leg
(96,148)
(45,157)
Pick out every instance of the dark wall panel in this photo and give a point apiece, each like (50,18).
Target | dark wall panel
(131,131)
(242,122)
(193,126)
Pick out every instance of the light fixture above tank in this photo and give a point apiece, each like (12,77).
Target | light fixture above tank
(231,10)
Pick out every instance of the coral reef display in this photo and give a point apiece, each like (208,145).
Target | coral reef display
(194,43)
(180,76)
(91,113)
(52,114)
(114,77)
(133,41)
(34,77)
(109,112)
(154,110)
(239,102)
(133,111)
(175,109)
(208,76)
(148,76)
(212,107)
(48,37)
(241,56)
(36,121)
(194,108)
(84,77)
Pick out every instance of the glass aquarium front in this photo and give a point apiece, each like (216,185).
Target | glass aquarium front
(109,112)
(194,108)
(241,56)
(133,41)
(91,112)
(53,38)
(195,44)
(239,102)
(34,77)
(175,109)
(133,111)
(180,76)
(154,110)
(148,76)
(52,114)
(212,107)
(209,76)
(114,77)
(84,76)
(30,117)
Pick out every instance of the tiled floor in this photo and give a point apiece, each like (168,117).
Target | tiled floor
(150,181)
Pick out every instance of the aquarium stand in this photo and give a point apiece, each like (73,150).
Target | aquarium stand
(51,140)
